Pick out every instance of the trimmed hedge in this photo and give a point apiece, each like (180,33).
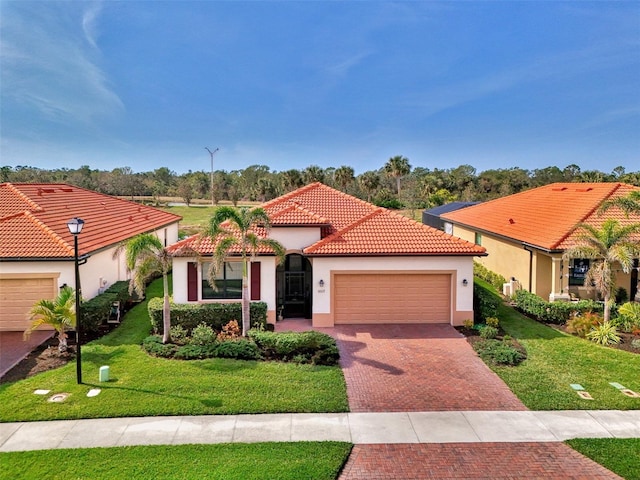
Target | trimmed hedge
(553,312)
(95,312)
(496,280)
(485,304)
(302,347)
(216,315)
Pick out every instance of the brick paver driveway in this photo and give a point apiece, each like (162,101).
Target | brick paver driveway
(489,461)
(402,368)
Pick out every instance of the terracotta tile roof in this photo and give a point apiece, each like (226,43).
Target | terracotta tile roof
(547,216)
(350,227)
(33,220)
(386,233)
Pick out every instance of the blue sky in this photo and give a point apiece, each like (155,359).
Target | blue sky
(149,84)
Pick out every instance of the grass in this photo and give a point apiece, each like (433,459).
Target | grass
(196,217)
(621,456)
(146,386)
(318,461)
(555,360)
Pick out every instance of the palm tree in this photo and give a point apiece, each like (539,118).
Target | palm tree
(397,167)
(343,176)
(59,313)
(145,256)
(629,204)
(233,231)
(313,173)
(369,181)
(612,243)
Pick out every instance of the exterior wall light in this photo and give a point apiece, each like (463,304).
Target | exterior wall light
(465,282)
(321,283)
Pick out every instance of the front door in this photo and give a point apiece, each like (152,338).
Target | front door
(294,287)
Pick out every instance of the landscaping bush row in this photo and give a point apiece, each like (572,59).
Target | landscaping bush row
(300,347)
(95,312)
(216,315)
(553,312)
(494,279)
(485,303)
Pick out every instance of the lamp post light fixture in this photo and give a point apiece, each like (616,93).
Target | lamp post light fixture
(75,228)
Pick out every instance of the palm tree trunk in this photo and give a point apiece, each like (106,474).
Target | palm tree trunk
(245,304)
(607,307)
(398,184)
(166,310)
(62,342)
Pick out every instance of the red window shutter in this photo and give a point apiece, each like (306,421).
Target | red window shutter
(255,280)
(192,281)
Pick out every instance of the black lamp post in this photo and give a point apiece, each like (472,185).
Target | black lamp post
(75,227)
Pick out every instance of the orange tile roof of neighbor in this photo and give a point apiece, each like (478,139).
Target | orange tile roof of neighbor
(33,220)
(545,217)
(350,226)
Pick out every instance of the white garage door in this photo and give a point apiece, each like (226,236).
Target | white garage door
(392,298)
(17,296)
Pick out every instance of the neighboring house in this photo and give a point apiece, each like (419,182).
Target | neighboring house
(37,250)
(527,233)
(348,261)
(432,217)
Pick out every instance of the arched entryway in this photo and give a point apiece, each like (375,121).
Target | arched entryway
(293,286)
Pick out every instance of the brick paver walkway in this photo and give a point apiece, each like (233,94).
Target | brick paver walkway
(490,461)
(409,368)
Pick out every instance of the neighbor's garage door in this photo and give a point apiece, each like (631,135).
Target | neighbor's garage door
(17,296)
(392,298)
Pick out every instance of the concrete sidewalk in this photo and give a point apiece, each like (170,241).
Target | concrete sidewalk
(357,428)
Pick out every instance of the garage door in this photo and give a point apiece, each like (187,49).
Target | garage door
(392,298)
(17,296)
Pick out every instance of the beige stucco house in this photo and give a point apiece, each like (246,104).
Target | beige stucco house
(37,254)
(526,234)
(348,261)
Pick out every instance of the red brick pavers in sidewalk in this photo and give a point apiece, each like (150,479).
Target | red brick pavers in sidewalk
(491,461)
(408,368)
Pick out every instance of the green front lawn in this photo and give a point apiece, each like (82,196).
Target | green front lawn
(555,360)
(620,455)
(146,386)
(294,461)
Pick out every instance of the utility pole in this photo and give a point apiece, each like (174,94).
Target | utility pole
(212,154)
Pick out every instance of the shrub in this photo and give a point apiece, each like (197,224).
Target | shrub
(494,279)
(121,291)
(582,324)
(488,332)
(318,348)
(492,322)
(192,352)
(216,315)
(485,303)
(203,334)
(391,203)
(604,334)
(241,349)
(179,335)
(621,295)
(153,345)
(230,331)
(635,343)
(467,323)
(496,352)
(558,313)
(629,313)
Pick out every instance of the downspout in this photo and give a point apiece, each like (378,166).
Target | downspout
(530,266)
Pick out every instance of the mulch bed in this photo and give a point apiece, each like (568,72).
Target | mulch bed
(47,357)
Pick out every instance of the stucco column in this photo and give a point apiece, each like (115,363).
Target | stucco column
(558,279)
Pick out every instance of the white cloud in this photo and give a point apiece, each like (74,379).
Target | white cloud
(50,62)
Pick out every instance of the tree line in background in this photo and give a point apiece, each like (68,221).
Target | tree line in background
(396,185)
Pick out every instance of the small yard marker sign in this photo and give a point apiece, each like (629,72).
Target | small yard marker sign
(624,390)
(582,393)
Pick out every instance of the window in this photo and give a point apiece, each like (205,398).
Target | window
(228,282)
(578,271)
(478,238)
